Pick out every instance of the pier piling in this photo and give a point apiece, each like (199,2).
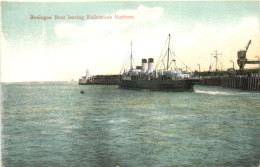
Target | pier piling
(239,82)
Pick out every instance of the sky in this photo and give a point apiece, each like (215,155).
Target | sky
(62,49)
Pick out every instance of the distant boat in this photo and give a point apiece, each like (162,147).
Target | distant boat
(147,77)
(82,92)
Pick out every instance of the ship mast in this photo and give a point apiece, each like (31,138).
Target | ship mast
(168,52)
(131,57)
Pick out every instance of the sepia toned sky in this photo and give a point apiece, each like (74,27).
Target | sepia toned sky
(61,50)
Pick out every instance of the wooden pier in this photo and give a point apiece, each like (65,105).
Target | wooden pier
(241,82)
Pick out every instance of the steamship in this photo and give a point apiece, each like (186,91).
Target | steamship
(148,77)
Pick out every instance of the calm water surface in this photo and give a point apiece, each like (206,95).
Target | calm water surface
(52,124)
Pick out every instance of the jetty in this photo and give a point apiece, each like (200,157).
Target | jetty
(237,82)
(243,79)
(99,80)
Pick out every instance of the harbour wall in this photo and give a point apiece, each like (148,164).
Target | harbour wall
(241,82)
(100,80)
(236,82)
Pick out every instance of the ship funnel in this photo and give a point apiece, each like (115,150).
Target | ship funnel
(144,65)
(150,64)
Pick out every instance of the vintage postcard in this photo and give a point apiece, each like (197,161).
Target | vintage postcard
(130,83)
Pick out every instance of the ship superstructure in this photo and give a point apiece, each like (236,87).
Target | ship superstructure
(147,76)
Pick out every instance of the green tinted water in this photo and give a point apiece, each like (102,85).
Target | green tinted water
(54,125)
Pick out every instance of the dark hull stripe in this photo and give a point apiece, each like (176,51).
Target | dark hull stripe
(164,85)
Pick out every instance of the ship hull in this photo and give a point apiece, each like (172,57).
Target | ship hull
(178,85)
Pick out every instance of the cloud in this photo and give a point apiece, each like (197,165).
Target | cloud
(192,47)
(92,28)
(143,13)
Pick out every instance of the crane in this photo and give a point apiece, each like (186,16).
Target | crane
(242,60)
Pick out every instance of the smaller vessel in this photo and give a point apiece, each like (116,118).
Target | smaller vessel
(166,79)
(82,92)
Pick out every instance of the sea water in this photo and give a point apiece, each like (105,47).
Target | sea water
(53,124)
